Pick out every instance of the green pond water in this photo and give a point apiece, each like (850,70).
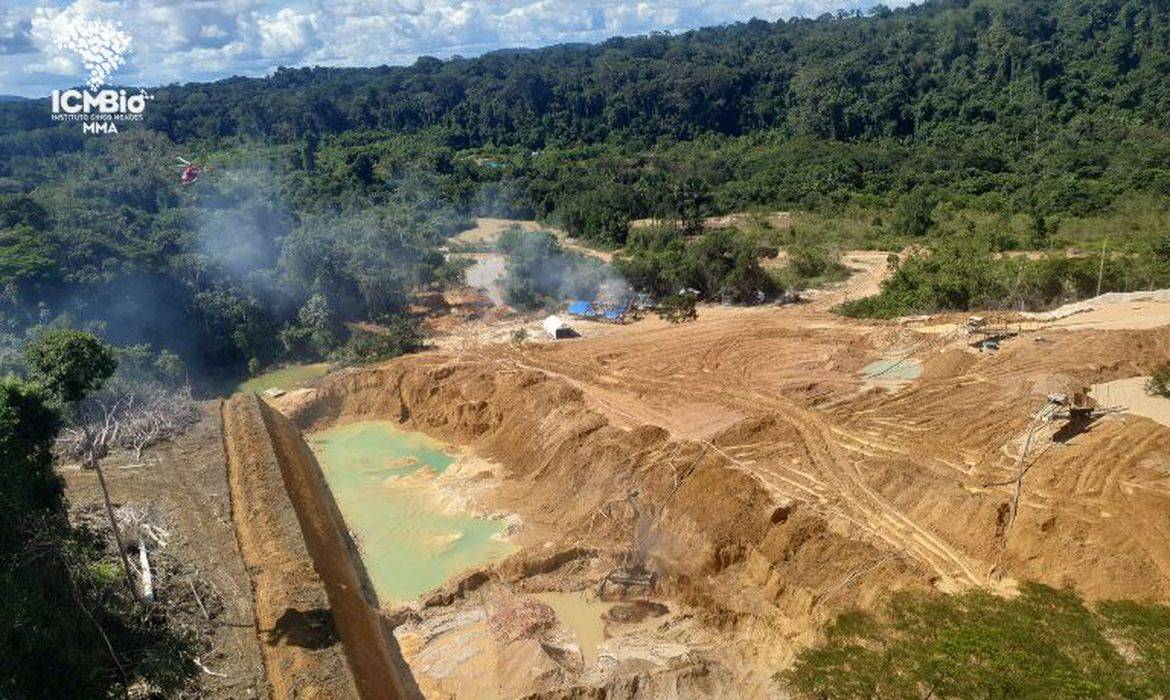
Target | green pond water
(384,482)
(288,377)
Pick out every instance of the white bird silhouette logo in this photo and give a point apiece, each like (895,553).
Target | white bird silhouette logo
(102,46)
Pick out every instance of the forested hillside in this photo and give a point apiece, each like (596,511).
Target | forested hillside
(329,190)
(946,68)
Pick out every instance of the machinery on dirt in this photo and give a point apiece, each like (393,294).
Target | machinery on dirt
(1076,405)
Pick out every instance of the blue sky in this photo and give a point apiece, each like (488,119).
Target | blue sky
(185,40)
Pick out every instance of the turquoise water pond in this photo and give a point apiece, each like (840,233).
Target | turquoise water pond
(893,369)
(384,482)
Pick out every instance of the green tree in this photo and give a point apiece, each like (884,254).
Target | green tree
(914,214)
(66,630)
(29,489)
(70,364)
(691,198)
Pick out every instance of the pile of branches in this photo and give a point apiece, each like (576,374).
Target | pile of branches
(133,420)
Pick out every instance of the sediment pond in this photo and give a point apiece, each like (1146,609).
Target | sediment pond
(385,483)
(583,616)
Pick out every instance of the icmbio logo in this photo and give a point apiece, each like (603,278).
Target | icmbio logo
(102,46)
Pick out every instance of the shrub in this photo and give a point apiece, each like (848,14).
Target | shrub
(399,336)
(678,308)
(1159,384)
(914,214)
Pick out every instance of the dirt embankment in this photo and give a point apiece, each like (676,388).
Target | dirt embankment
(306,579)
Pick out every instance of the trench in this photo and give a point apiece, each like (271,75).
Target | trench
(411,535)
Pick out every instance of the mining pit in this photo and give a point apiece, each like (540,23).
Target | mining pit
(675,511)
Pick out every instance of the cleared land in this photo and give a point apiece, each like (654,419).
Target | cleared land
(182,487)
(747,461)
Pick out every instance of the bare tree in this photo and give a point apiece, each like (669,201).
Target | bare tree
(132,421)
(91,442)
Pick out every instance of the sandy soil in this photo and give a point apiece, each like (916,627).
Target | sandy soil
(1134,316)
(746,461)
(1129,396)
(183,486)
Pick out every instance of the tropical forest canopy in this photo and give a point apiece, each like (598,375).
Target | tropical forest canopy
(328,192)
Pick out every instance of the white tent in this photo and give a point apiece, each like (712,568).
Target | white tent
(556,328)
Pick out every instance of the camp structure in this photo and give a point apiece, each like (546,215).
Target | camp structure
(556,328)
(582,309)
(614,312)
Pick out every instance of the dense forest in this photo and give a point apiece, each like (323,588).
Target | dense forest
(329,191)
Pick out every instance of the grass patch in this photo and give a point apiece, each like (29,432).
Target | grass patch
(1045,643)
(287,377)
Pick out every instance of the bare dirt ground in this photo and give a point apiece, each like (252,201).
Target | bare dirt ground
(1130,396)
(747,462)
(182,484)
(487,232)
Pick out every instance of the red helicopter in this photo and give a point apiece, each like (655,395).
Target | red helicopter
(190,171)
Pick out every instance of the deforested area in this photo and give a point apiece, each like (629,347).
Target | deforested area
(656,352)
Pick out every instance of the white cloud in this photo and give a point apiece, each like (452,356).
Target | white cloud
(177,40)
(289,33)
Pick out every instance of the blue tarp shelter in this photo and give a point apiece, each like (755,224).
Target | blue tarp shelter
(618,312)
(582,309)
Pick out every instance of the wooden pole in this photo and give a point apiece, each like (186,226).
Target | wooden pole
(1101,272)
(117,533)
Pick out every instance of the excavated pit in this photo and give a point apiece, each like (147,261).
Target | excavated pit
(597,500)
(394,490)
(744,538)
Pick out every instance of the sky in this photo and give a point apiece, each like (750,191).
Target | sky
(199,40)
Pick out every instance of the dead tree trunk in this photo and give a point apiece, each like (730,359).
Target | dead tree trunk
(94,463)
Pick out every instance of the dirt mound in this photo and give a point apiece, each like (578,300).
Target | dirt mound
(306,586)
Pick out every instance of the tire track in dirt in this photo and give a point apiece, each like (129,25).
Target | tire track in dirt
(848,493)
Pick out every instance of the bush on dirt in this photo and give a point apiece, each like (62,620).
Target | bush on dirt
(398,336)
(678,308)
(1159,383)
(723,264)
(966,273)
